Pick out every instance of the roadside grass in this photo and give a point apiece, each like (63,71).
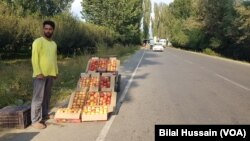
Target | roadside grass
(16,76)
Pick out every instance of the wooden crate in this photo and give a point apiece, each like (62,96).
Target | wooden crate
(88,69)
(117,65)
(102,64)
(98,69)
(112,105)
(67,116)
(95,87)
(94,116)
(111,81)
(83,76)
(79,102)
(88,98)
(102,117)
(15,117)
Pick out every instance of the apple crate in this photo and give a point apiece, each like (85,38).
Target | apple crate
(100,117)
(107,82)
(68,115)
(83,82)
(93,113)
(94,82)
(102,64)
(113,65)
(92,99)
(112,104)
(15,117)
(77,99)
(92,65)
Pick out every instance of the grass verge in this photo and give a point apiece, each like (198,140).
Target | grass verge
(16,76)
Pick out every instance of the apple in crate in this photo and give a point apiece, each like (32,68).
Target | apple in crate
(84,82)
(105,82)
(92,99)
(112,66)
(95,110)
(102,64)
(78,100)
(94,82)
(93,65)
(105,98)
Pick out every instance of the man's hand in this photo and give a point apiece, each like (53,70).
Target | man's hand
(40,76)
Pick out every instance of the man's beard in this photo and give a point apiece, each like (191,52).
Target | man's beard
(48,35)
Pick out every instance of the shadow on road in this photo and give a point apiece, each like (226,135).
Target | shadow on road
(27,136)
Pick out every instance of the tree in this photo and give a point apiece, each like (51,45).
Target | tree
(122,16)
(146,17)
(41,7)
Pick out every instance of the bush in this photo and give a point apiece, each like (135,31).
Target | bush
(209,51)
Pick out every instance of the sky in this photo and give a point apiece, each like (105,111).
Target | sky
(76,6)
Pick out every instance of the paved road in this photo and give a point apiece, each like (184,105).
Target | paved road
(172,87)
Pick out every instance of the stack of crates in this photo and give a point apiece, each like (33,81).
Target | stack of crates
(97,89)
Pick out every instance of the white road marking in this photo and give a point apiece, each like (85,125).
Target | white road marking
(233,82)
(108,124)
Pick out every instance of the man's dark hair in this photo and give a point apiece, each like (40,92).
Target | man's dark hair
(48,22)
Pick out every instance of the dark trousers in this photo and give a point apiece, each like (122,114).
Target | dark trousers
(41,98)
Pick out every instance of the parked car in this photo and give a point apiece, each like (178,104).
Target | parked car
(158,47)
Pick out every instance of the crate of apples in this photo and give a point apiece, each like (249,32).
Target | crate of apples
(95,110)
(94,83)
(92,99)
(112,65)
(105,82)
(93,65)
(94,113)
(105,98)
(102,65)
(68,110)
(79,99)
(84,82)
(68,115)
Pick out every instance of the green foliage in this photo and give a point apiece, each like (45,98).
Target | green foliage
(209,51)
(146,18)
(220,26)
(123,17)
(40,7)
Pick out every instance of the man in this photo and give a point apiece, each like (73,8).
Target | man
(45,69)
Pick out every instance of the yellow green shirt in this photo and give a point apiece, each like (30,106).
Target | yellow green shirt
(44,57)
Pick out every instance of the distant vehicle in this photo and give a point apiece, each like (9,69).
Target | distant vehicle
(151,43)
(163,42)
(158,47)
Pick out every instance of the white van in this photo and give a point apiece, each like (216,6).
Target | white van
(163,42)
